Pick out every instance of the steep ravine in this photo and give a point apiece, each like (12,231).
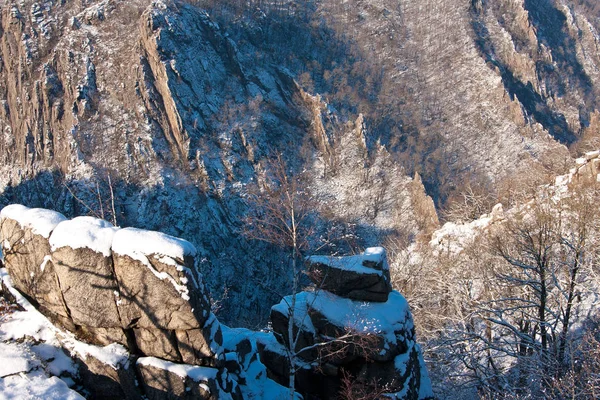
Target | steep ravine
(148,116)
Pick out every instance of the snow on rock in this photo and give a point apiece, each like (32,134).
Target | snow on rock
(360,277)
(139,243)
(57,361)
(364,317)
(372,261)
(84,232)
(15,358)
(113,355)
(165,378)
(454,237)
(40,220)
(43,221)
(14,212)
(245,346)
(194,372)
(359,317)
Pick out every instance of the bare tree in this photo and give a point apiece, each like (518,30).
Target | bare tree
(522,322)
(282,213)
(505,316)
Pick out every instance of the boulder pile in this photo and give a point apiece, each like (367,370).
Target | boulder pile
(351,333)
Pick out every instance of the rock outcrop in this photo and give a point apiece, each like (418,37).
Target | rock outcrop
(363,277)
(25,234)
(81,255)
(118,287)
(141,322)
(348,331)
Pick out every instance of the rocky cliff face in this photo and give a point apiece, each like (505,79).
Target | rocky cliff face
(497,85)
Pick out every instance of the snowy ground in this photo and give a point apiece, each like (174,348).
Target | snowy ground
(32,364)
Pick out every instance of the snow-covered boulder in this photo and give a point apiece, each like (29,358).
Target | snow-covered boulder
(371,330)
(163,298)
(166,380)
(24,236)
(361,277)
(158,285)
(350,323)
(83,262)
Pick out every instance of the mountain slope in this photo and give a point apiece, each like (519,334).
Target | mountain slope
(164,114)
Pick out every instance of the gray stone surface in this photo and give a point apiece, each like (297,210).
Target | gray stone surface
(150,301)
(157,343)
(88,286)
(27,258)
(201,346)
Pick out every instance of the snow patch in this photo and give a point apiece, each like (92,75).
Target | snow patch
(84,232)
(138,243)
(41,221)
(196,373)
(14,359)
(359,316)
(14,212)
(43,264)
(358,263)
(113,355)
(36,386)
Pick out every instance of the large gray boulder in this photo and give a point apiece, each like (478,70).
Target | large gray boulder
(24,236)
(363,277)
(158,284)
(82,259)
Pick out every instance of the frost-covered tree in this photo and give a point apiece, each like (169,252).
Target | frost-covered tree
(531,293)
